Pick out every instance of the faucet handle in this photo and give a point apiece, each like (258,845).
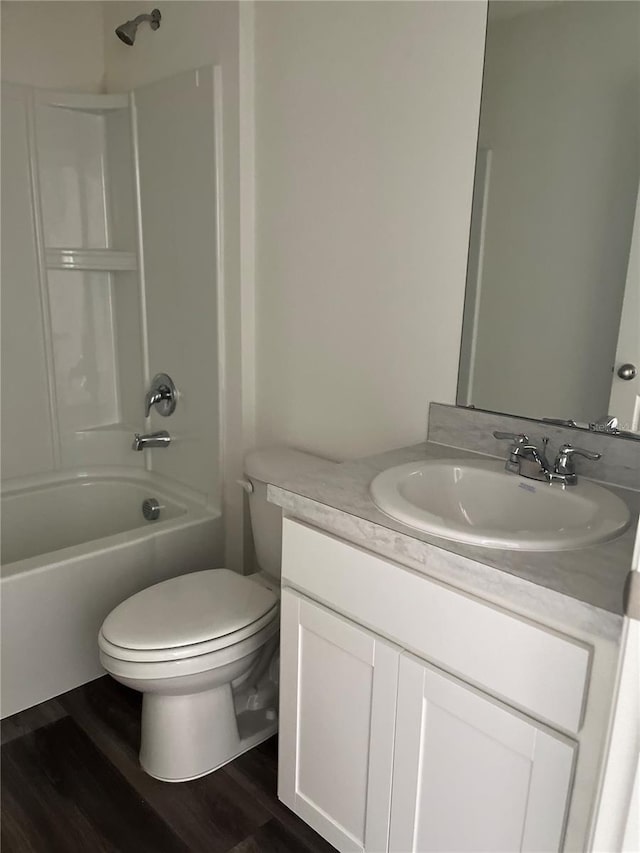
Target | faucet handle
(564,464)
(162,394)
(152,397)
(516,437)
(520,443)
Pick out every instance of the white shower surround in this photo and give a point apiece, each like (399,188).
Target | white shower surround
(53,603)
(105,283)
(92,322)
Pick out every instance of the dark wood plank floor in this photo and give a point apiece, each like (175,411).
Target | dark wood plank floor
(71,783)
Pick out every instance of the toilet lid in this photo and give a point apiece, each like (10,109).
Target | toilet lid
(188,609)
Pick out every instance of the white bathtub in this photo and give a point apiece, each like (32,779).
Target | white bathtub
(73,548)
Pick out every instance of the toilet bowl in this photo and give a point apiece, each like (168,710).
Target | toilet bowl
(202,648)
(188,645)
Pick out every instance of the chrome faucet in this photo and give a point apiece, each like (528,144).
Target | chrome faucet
(564,465)
(162,394)
(153,439)
(524,457)
(529,461)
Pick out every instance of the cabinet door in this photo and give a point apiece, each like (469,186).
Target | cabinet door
(470,774)
(337,716)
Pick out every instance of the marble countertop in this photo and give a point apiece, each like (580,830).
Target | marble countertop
(337,499)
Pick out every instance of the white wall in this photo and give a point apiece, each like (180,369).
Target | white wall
(366,124)
(561,115)
(56,45)
(191,35)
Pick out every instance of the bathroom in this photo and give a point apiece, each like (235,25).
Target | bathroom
(177,206)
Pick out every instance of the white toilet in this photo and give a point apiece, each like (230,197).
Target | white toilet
(202,648)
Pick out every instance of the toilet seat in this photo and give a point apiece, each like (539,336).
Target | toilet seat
(188,616)
(176,670)
(192,650)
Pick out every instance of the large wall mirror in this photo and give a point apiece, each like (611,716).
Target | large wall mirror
(552,309)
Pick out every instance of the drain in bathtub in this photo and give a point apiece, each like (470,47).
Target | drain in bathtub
(151,509)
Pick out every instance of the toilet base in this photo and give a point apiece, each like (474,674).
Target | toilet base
(185,737)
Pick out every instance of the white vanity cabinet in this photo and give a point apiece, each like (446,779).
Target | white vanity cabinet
(424,740)
(337,725)
(471,774)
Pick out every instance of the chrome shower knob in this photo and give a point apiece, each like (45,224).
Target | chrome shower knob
(162,394)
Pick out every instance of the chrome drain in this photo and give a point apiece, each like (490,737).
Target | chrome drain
(151,509)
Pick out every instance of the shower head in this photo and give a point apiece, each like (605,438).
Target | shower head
(127,32)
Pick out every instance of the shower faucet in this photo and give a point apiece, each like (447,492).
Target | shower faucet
(162,394)
(153,439)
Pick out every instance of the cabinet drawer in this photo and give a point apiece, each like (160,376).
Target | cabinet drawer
(531,667)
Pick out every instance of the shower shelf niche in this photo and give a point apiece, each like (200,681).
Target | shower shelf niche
(106,260)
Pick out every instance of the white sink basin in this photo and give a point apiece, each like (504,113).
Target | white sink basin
(480,503)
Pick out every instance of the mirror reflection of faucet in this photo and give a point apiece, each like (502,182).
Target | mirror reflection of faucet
(153,439)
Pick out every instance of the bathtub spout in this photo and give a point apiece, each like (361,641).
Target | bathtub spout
(153,439)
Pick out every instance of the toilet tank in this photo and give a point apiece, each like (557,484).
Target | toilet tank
(273,465)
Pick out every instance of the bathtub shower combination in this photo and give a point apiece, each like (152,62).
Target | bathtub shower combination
(104,289)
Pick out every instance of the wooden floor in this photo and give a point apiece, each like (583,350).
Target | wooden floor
(71,783)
